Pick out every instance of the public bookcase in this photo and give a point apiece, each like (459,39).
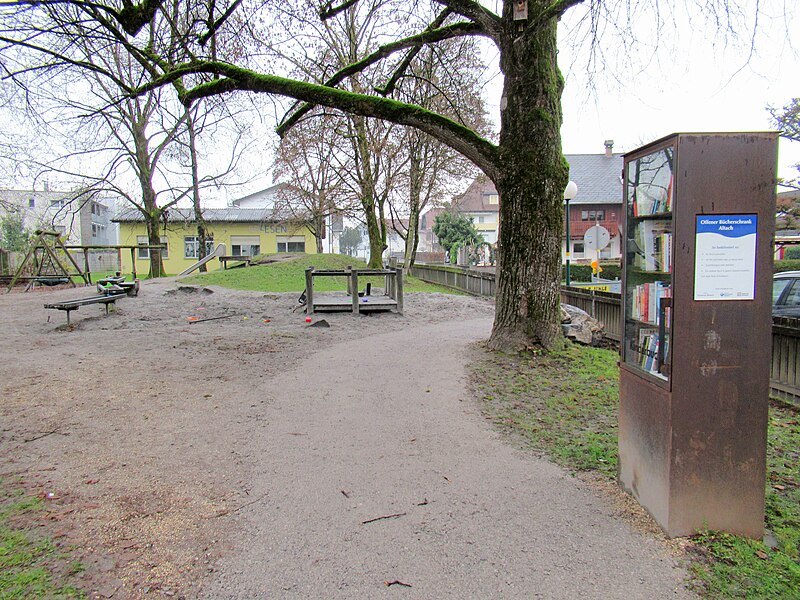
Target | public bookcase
(694,368)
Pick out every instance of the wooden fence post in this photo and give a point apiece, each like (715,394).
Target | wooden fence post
(354,289)
(310,290)
(398,287)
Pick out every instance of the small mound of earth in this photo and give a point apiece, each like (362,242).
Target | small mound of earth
(189,289)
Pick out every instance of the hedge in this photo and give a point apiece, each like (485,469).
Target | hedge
(582,272)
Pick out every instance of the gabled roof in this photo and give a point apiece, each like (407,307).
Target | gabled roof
(476,198)
(267,194)
(232,214)
(598,177)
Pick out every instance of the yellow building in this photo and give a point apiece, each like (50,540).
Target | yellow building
(244,231)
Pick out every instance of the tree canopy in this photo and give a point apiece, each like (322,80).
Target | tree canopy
(454,231)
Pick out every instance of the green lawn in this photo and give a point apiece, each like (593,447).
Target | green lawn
(289,276)
(564,404)
(31,566)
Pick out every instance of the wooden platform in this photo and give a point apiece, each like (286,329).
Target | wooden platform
(341,302)
(391,300)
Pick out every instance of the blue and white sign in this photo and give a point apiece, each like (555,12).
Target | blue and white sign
(725,257)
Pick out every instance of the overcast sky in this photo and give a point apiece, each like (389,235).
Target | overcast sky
(697,80)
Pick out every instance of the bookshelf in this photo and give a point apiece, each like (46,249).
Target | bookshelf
(649,198)
(699,214)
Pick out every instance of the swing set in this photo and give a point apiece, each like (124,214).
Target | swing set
(46,254)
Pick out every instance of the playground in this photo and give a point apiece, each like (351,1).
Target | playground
(204,442)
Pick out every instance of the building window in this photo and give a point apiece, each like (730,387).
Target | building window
(191,246)
(492,199)
(480,219)
(577,247)
(296,243)
(144,253)
(57,203)
(593,215)
(245,245)
(32,203)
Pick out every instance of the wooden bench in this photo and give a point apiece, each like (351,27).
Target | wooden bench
(247,260)
(70,305)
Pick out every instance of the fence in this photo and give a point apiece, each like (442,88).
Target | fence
(479,283)
(607,307)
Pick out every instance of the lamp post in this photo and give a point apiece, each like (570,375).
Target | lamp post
(569,194)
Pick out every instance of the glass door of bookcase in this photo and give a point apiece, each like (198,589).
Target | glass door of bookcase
(648,261)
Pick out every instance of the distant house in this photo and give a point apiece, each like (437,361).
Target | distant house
(244,231)
(599,202)
(266,198)
(277,196)
(481,204)
(427,239)
(81,218)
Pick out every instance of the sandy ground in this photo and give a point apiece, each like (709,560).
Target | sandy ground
(254,456)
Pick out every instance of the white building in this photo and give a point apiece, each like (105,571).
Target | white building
(81,218)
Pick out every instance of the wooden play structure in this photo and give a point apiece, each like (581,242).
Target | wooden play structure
(109,290)
(48,259)
(353,300)
(45,260)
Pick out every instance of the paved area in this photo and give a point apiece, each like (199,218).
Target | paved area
(376,476)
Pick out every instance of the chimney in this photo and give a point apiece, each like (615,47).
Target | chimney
(609,144)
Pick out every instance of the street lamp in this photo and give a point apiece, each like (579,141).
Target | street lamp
(569,194)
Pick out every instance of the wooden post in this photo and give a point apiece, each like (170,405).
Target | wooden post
(398,285)
(348,269)
(86,266)
(133,261)
(310,290)
(354,289)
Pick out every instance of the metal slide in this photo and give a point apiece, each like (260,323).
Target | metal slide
(219,251)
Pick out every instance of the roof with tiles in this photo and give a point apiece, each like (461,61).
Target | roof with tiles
(213,215)
(598,177)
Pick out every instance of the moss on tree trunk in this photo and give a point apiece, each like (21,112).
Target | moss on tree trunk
(532,175)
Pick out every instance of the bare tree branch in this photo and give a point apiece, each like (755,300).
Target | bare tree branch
(417,41)
(203,39)
(329,12)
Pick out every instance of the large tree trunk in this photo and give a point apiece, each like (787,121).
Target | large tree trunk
(202,231)
(152,213)
(319,232)
(531,181)
(415,193)
(376,245)
(154,236)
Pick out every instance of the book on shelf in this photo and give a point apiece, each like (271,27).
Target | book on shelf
(653,246)
(648,348)
(647,300)
(652,199)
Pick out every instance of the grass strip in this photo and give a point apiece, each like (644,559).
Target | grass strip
(28,561)
(289,276)
(564,405)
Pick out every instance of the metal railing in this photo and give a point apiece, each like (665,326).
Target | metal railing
(607,307)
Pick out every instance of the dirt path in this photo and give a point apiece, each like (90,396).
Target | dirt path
(374,468)
(240,457)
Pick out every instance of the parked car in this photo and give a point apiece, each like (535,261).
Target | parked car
(786,294)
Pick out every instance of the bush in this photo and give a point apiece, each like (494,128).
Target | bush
(583,272)
(787,265)
(792,253)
